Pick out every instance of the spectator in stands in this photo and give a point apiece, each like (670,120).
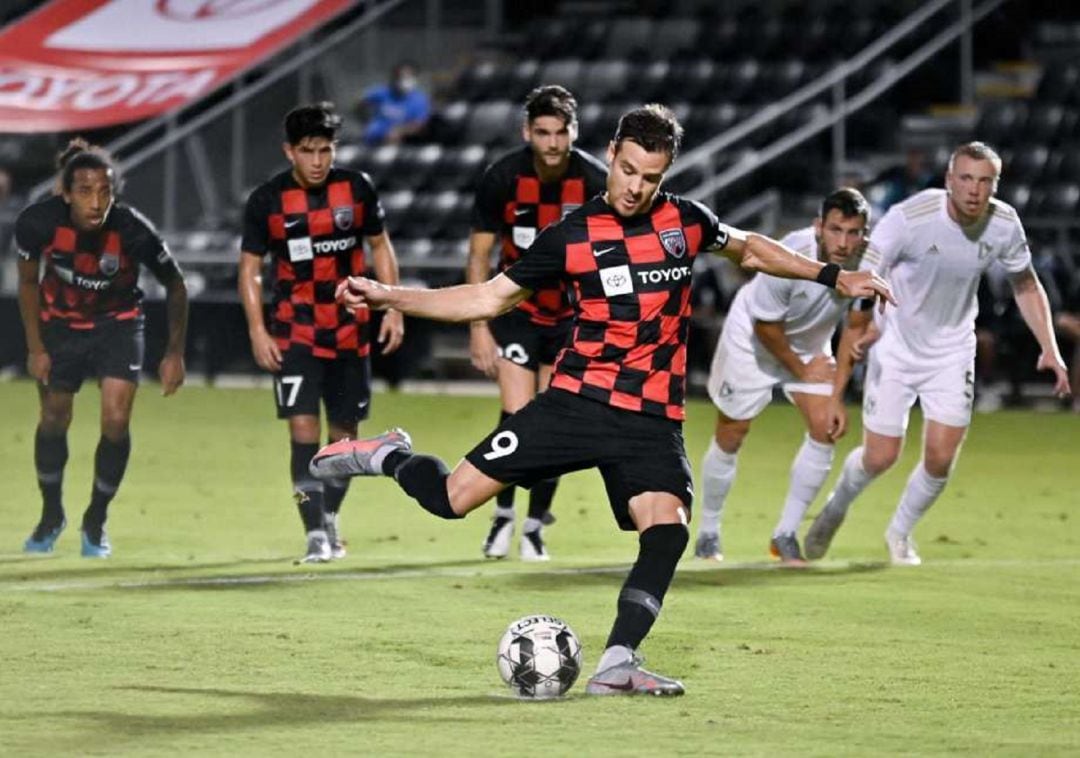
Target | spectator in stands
(900,182)
(397,110)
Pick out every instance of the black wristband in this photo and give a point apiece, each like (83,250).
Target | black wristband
(828,275)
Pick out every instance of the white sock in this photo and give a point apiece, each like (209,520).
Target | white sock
(919,494)
(504,513)
(717,474)
(853,480)
(613,656)
(809,471)
(531,525)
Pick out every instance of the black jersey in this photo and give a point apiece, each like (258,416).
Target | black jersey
(91,277)
(316,239)
(513,203)
(629,284)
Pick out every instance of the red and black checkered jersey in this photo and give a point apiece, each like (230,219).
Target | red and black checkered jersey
(629,284)
(316,239)
(512,202)
(91,277)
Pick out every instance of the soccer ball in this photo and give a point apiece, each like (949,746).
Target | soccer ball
(539,657)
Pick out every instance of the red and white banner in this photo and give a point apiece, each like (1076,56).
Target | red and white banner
(78,64)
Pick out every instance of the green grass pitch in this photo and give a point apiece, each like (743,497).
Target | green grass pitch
(200,636)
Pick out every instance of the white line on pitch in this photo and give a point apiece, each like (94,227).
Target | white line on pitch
(488,571)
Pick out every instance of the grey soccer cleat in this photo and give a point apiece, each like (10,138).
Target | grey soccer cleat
(318,548)
(820,534)
(630,678)
(365,457)
(497,543)
(902,551)
(708,547)
(786,548)
(533,547)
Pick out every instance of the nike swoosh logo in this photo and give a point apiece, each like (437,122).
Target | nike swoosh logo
(134,367)
(520,211)
(291,224)
(598,253)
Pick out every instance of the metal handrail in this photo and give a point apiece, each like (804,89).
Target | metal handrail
(849,106)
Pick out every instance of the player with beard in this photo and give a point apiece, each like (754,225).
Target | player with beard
(616,398)
(778,333)
(519,195)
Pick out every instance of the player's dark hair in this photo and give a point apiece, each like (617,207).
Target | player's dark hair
(317,120)
(652,126)
(849,201)
(551,100)
(81,154)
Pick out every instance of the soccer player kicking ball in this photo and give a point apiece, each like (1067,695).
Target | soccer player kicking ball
(520,194)
(84,319)
(615,402)
(933,247)
(313,219)
(778,333)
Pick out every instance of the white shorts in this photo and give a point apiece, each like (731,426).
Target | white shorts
(741,383)
(944,392)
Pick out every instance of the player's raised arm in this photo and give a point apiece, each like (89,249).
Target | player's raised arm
(466,302)
(756,252)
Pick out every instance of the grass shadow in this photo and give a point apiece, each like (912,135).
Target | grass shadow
(98,568)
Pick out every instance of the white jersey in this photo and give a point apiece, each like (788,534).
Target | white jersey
(933,266)
(809,311)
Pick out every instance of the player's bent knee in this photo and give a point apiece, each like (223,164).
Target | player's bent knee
(879,461)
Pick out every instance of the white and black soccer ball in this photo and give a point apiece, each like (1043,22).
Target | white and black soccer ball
(539,657)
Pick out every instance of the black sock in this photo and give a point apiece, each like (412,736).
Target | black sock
(110,462)
(540,497)
(333,494)
(423,477)
(308,490)
(642,595)
(50,457)
(505,499)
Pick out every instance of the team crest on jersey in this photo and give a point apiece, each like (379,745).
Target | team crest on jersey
(674,242)
(984,250)
(109,264)
(343,218)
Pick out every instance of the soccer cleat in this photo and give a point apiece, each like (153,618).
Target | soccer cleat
(630,678)
(337,545)
(820,534)
(318,548)
(364,457)
(708,547)
(43,539)
(786,548)
(902,550)
(497,543)
(91,549)
(532,547)
(548,518)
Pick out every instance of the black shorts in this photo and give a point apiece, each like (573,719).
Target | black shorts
(112,349)
(527,344)
(342,383)
(559,432)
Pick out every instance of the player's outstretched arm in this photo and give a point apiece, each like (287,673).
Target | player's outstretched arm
(171,369)
(466,302)
(1035,308)
(384,259)
(756,252)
